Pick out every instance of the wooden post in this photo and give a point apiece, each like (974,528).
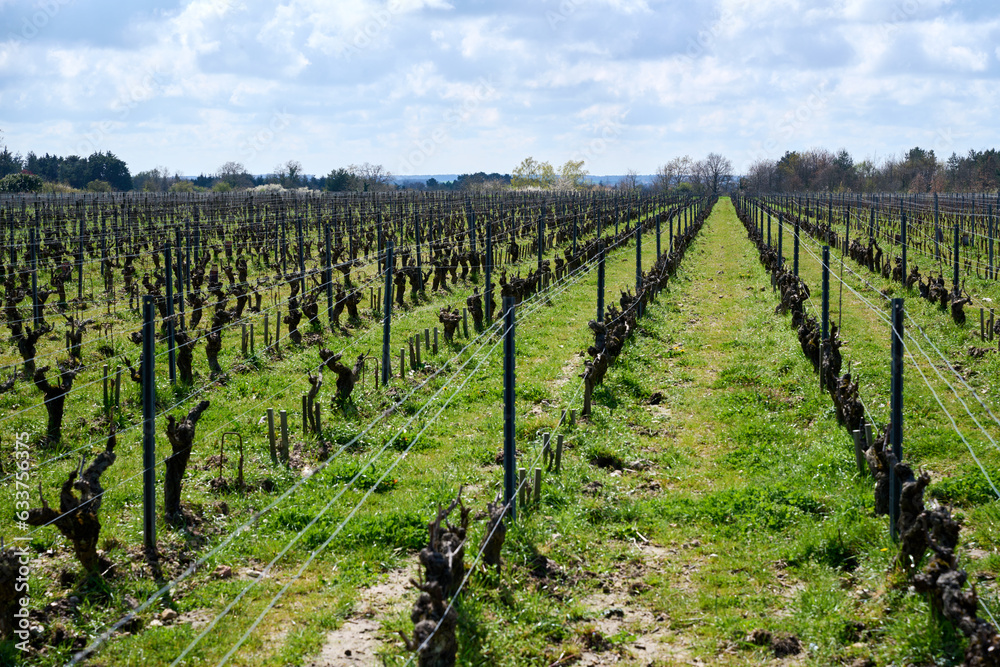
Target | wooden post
(283,417)
(305,414)
(435,348)
(465,322)
(538,487)
(522,491)
(251,339)
(859,454)
(402,362)
(271,439)
(559,451)
(118,386)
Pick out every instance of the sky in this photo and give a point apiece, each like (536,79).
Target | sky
(439,86)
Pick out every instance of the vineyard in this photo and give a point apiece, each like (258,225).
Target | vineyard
(514,428)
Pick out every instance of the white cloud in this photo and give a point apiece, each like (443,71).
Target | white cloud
(194,85)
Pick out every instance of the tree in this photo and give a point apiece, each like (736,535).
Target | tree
(866,172)
(374,177)
(533,174)
(789,172)
(46,166)
(342,180)
(844,168)
(154,180)
(547,176)
(762,176)
(672,174)
(289,174)
(715,171)
(630,181)
(108,168)
(235,175)
(74,172)
(525,175)
(10,163)
(572,175)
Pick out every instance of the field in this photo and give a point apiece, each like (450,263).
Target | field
(709,510)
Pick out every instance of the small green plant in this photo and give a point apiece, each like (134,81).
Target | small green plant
(972,488)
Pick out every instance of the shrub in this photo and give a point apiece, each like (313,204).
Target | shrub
(21,183)
(99,186)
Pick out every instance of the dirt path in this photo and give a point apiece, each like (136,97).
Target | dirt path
(357,641)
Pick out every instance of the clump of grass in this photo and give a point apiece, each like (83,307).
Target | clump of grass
(753,507)
(971,488)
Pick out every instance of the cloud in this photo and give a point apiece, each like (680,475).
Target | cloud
(199,82)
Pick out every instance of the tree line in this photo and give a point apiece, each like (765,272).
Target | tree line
(917,171)
(103,172)
(98,172)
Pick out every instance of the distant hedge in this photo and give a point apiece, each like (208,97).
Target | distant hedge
(21,183)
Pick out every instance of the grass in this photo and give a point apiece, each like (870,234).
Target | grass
(733,504)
